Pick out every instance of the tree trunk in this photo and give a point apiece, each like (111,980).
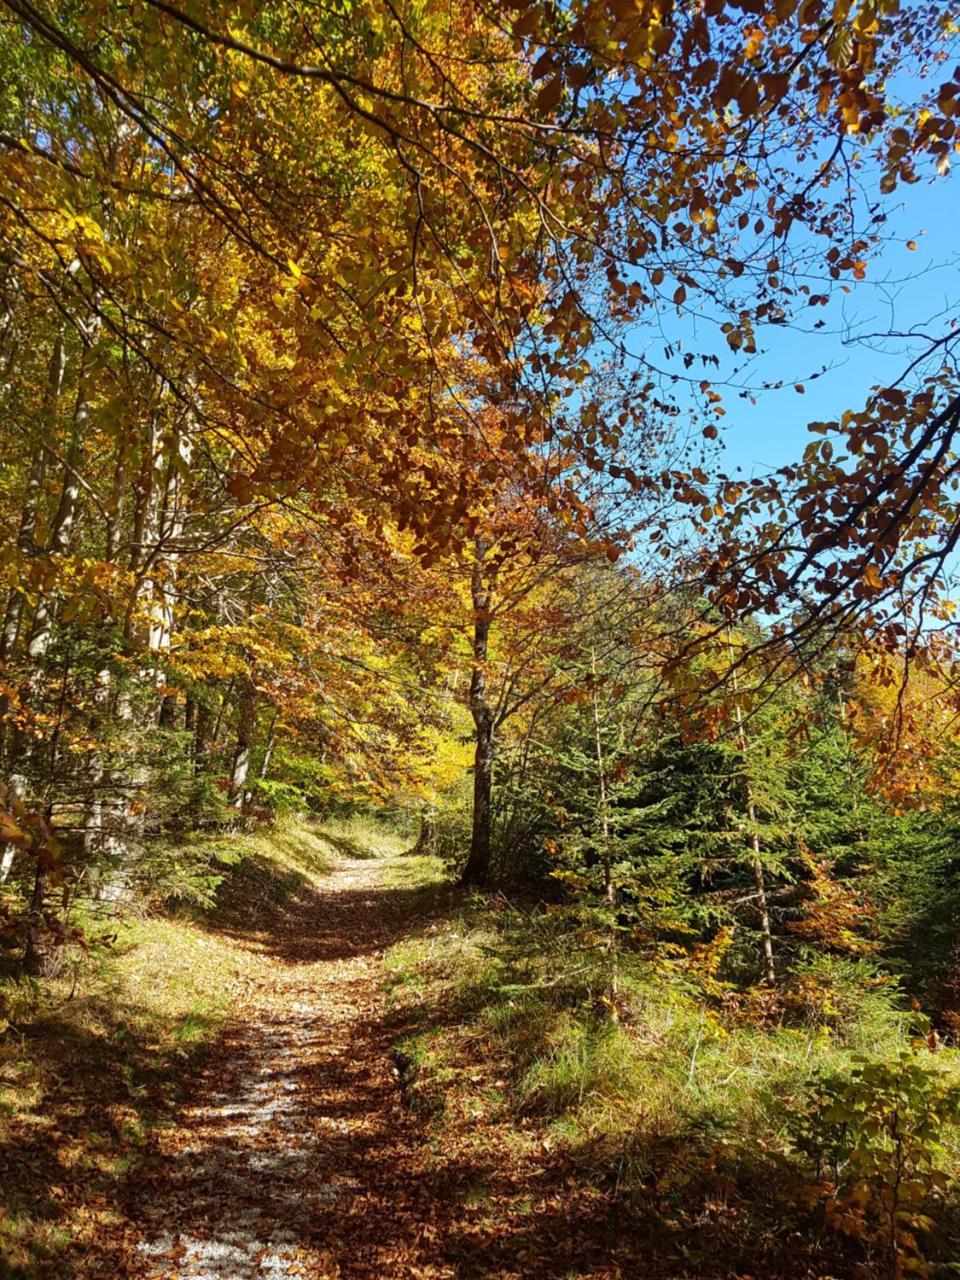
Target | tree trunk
(609,889)
(117,501)
(121,821)
(94,841)
(246,725)
(609,892)
(62,529)
(214,738)
(10,635)
(756,863)
(770,971)
(18,788)
(32,952)
(31,499)
(427,837)
(202,727)
(477,870)
(267,758)
(270,748)
(40,637)
(140,622)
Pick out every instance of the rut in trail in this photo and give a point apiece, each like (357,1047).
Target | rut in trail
(289,1159)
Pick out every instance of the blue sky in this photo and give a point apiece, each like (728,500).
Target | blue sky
(902,289)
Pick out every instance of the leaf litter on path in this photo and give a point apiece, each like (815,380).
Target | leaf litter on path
(285,1161)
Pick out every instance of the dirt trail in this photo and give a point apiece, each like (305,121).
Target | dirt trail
(289,1158)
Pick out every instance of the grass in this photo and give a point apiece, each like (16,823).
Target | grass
(263,876)
(88,1071)
(668,1136)
(92,1061)
(418,873)
(681,1113)
(361,836)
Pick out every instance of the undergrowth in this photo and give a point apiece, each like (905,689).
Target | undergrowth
(360,835)
(683,1108)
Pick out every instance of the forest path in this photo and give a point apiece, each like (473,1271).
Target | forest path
(293,1153)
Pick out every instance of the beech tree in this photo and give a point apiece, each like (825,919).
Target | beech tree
(288,296)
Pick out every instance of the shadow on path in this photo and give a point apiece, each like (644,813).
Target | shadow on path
(293,1153)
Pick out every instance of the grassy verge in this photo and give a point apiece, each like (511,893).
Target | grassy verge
(361,836)
(417,874)
(682,1137)
(93,1060)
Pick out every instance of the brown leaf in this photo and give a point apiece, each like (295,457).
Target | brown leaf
(550,94)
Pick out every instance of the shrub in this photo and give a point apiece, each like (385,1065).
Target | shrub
(876,1137)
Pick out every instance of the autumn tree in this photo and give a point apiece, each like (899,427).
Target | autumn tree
(391,275)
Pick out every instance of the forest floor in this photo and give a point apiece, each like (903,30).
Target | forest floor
(297,1154)
(293,1154)
(254,1124)
(304,1080)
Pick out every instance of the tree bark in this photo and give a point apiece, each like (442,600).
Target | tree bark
(267,759)
(770,971)
(202,727)
(62,529)
(210,744)
(33,949)
(477,870)
(756,863)
(609,892)
(31,499)
(609,889)
(246,725)
(33,952)
(18,787)
(427,838)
